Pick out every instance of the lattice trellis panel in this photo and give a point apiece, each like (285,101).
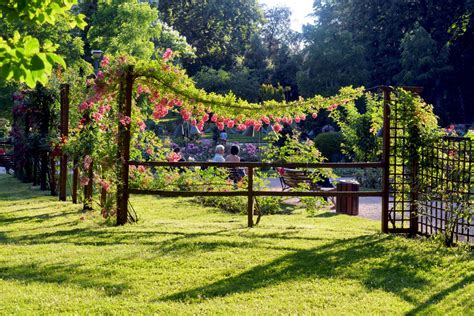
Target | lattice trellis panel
(446,185)
(400,173)
(431,188)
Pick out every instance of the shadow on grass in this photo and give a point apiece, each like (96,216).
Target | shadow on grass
(442,295)
(325,215)
(60,274)
(105,236)
(39,218)
(344,259)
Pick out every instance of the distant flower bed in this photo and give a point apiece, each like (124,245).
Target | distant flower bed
(203,150)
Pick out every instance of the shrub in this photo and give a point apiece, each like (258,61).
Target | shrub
(231,204)
(329,144)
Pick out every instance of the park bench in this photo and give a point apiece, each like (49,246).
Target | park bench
(236,174)
(7,162)
(293,179)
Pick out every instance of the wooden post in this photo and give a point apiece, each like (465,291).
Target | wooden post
(250,198)
(75,179)
(64,134)
(89,189)
(414,194)
(123,154)
(103,197)
(43,154)
(35,170)
(44,171)
(52,179)
(386,158)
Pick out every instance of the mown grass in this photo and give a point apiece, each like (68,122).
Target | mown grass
(184,259)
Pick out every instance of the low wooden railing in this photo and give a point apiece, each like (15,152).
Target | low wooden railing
(250,192)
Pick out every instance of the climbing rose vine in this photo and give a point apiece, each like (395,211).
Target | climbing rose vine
(160,88)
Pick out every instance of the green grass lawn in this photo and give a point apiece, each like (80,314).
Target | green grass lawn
(184,259)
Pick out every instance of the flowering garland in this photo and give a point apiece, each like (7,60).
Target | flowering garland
(168,88)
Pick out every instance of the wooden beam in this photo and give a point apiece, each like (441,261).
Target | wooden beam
(64,134)
(123,155)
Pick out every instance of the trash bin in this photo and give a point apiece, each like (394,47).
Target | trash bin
(347,204)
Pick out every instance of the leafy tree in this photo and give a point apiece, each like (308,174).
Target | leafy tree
(283,45)
(133,28)
(382,31)
(420,58)
(24,57)
(332,59)
(277,29)
(257,57)
(219,30)
(241,82)
(423,64)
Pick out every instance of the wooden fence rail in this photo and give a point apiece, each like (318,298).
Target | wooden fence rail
(250,192)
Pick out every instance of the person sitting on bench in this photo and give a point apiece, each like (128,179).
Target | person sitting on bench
(219,156)
(236,173)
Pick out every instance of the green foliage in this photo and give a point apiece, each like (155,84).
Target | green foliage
(359,130)
(269,92)
(125,27)
(371,43)
(334,59)
(22,56)
(234,204)
(240,82)
(289,148)
(329,144)
(421,60)
(4,127)
(7,88)
(219,30)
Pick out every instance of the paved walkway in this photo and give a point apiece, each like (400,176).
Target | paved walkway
(369,207)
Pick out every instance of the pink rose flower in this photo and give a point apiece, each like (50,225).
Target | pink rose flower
(87,162)
(277,127)
(105,185)
(241,127)
(230,124)
(84,181)
(97,116)
(105,61)
(168,54)
(173,157)
(125,120)
(185,114)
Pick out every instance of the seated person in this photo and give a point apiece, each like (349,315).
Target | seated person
(175,155)
(219,156)
(238,173)
(234,154)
